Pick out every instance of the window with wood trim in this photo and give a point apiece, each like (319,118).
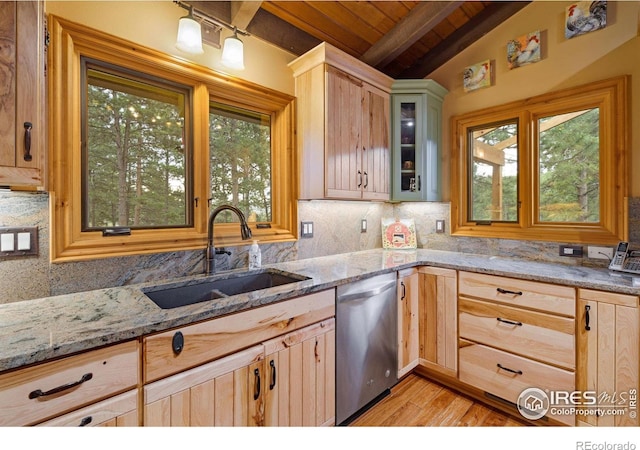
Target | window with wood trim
(549,168)
(157,182)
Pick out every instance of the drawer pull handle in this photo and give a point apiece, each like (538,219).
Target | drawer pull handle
(256,386)
(85,421)
(505,291)
(272,384)
(517,372)
(587,308)
(509,322)
(39,393)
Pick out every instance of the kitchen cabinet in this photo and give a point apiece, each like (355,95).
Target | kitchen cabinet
(299,387)
(118,411)
(438,320)
(42,392)
(343,119)
(608,349)
(217,372)
(516,334)
(408,328)
(22,124)
(416,140)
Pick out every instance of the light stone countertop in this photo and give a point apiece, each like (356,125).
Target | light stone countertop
(37,330)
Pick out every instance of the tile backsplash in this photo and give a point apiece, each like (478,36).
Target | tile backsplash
(336,230)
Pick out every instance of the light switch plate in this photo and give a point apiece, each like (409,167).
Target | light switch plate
(18,241)
(306,229)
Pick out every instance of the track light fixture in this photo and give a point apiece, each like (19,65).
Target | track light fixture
(190,36)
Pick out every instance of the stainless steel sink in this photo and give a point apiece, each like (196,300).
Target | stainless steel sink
(180,294)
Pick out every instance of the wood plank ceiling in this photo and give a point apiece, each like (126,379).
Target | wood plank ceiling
(403,39)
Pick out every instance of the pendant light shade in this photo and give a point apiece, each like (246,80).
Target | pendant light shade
(233,52)
(189,35)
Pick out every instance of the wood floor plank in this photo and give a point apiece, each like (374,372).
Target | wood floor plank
(416,401)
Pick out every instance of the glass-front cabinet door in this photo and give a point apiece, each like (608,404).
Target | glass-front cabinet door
(417,109)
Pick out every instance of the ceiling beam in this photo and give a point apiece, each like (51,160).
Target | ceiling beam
(276,31)
(490,17)
(243,12)
(418,22)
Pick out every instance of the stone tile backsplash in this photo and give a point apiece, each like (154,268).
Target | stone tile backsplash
(336,230)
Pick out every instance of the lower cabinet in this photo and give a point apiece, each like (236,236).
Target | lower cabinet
(286,381)
(118,411)
(608,349)
(226,392)
(408,327)
(300,377)
(438,320)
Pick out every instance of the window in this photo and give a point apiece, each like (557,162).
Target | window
(129,134)
(550,168)
(136,155)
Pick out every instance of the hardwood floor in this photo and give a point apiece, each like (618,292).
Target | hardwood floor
(416,401)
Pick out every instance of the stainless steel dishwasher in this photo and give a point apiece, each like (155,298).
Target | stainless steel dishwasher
(366,343)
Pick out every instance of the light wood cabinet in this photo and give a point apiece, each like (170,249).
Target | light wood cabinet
(22,124)
(438,321)
(118,411)
(226,392)
(273,365)
(608,349)
(516,334)
(32,395)
(300,377)
(343,119)
(408,327)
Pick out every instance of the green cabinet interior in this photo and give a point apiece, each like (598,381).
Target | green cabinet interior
(417,140)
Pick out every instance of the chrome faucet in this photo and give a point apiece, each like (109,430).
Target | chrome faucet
(210,252)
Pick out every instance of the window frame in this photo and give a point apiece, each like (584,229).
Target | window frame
(611,96)
(71,41)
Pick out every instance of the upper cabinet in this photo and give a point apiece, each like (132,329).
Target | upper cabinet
(22,148)
(343,119)
(417,140)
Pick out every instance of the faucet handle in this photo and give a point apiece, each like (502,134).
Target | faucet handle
(222,251)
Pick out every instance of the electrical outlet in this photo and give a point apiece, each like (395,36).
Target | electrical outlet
(600,252)
(571,250)
(363,226)
(440,226)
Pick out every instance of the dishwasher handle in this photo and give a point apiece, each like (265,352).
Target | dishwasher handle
(366,294)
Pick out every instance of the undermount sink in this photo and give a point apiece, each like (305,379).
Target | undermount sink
(179,294)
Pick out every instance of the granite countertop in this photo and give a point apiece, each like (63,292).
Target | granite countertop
(37,330)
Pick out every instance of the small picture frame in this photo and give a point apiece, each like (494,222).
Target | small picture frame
(399,234)
(584,17)
(523,50)
(477,76)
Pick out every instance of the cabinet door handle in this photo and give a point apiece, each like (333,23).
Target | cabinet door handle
(366,180)
(85,421)
(404,290)
(273,375)
(509,322)
(27,141)
(419,183)
(517,372)
(587,308)
(256,384)
(359,178)
(39,393)
(504,291)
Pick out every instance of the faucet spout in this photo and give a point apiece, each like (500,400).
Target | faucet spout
(210,251)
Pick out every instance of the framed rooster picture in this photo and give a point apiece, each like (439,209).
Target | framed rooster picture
(584,17)
(477,76)
(523,50)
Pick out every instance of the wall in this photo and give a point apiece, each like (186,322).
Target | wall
(602,54)
(606,53)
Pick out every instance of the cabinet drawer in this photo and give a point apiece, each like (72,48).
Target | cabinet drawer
(528,294)
(106,372)
(119,411)
(544,337)
(218,337)
(479,366)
